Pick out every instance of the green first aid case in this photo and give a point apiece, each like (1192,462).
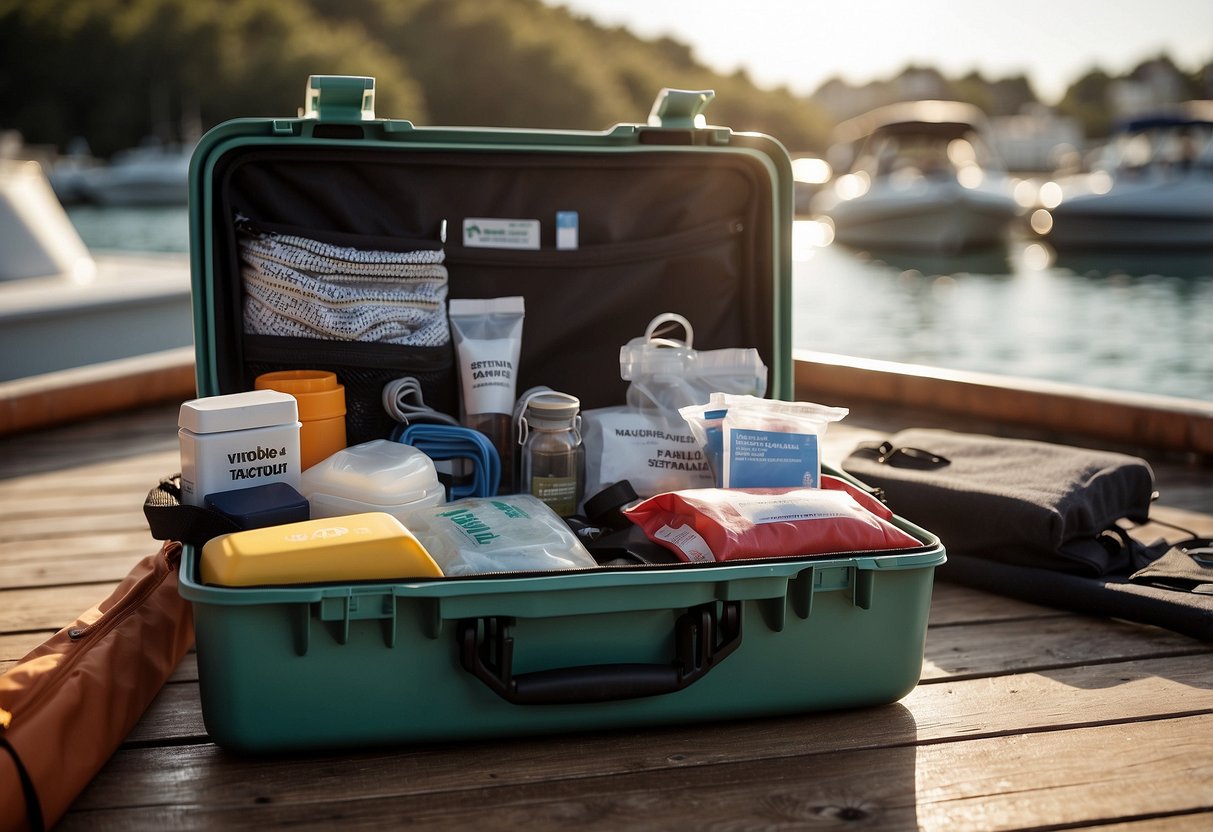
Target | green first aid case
(669,215)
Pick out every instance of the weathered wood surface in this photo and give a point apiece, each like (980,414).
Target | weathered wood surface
(1027,717)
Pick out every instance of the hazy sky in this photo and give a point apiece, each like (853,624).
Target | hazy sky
(801,43)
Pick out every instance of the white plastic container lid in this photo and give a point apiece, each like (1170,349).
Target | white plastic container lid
(327,505)
(380,473)
(238,411)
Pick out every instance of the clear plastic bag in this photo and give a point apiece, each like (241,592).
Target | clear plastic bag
(667,374)
(761,443)
(516,533)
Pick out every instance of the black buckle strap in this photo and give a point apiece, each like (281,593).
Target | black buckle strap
(169,519)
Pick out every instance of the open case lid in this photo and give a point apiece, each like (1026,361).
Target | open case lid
(673,215)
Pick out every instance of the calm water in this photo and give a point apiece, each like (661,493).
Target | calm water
(132,229)
(1140,323)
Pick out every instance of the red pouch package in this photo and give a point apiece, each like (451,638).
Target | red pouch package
(722,524)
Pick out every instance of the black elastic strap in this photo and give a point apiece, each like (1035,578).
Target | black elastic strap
(170,520)
(33,807)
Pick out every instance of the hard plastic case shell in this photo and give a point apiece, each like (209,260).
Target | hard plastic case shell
(674,216)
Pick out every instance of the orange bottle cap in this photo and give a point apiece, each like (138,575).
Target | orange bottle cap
(317,391)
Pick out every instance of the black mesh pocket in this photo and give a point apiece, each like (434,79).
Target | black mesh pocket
(364,369)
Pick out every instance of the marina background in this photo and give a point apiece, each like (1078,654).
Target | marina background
(1053,78)
(1133,322)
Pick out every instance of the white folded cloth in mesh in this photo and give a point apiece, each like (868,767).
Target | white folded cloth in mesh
(297,286)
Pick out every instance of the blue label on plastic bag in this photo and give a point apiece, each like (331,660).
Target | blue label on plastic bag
(769,459)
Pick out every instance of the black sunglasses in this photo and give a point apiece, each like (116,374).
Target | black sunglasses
(899,457)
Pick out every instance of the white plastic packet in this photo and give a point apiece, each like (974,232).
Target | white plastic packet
(652,452)
(514,533)
(762,443)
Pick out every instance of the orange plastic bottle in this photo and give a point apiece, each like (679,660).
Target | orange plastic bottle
(321,410)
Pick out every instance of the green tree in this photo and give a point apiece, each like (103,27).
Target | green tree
(117,71)
(1087,101)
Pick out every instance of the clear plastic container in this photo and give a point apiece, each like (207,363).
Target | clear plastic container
(553,458)
(379,475)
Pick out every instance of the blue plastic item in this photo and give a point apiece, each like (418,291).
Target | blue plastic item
(443,442)
(271,504)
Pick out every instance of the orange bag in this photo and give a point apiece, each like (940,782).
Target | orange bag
(66,706)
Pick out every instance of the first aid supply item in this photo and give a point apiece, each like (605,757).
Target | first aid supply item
(515,533)
(768,444)
(321,409)
(371,546)
(272,504)
(318,286)
(667,374)
(762,443)
(553,458)
(654,452)
(236,441)
(379,475)
(723,524)
(488,343)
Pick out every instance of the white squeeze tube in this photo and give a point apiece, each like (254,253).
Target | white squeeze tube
(488,341)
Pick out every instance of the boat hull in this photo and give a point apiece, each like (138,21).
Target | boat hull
(950,221)
(1175,214)
(134,305)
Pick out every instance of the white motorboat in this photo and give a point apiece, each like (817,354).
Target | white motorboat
(1153,189)
(923,177)
(63,307)
(151,174)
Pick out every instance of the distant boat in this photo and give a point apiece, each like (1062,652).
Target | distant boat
(923,177)
(68,172)
(62,307)
(1154,189)
(151,174)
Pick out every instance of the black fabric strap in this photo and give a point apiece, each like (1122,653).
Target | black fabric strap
(170,520)
(1188,613)
(33,807)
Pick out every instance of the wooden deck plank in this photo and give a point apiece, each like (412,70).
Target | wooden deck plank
(48,608)
(82,569)
(997,783)
(955,604)
(1195,822)
(983,649)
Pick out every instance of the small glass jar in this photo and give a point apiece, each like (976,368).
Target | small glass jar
(553,458)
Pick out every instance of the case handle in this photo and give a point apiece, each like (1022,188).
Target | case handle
(702,639)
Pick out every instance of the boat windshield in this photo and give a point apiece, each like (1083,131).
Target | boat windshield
(1160,146)
(905,154)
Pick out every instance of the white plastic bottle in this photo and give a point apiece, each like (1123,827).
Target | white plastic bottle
(238,441)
